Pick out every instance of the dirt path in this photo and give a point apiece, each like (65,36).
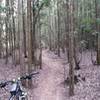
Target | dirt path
(49,83)
(50,79)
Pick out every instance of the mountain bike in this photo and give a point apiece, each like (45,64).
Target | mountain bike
(16,89)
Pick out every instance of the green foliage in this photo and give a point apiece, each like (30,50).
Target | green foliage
(87,29)
(87,24)
(41,4)
(46,2)
(98,1)
(88,21)
(42,15)
(2,9)
(98,21)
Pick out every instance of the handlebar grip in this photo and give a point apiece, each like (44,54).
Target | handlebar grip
(2,85)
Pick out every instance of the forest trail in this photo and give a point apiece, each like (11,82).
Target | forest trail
(50,78)
(48,85)
(48,82)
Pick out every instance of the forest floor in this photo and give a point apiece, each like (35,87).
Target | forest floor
(49,85)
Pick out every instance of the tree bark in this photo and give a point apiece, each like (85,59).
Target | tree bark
(71,49)
(29,34)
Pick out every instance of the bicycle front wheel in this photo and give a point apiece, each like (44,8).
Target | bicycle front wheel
(24,98)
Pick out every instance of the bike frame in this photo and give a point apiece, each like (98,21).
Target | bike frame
(18,93)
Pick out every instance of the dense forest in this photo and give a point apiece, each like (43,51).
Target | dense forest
(60,39)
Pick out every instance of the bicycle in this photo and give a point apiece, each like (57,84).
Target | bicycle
(16,89)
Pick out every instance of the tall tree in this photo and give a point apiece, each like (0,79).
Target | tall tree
(29,34)
(7,28)
(71,48)
(97,16)
(20,30)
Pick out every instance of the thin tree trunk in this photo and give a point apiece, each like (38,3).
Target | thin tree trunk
(20,28)
(97,28)
(71,50)
(58,14)
(7,29)
(29,33)
(24,31)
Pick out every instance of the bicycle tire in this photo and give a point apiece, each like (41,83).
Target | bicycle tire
(26,98)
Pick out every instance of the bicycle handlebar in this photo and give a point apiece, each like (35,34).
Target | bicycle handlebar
(3,84)
(29,76)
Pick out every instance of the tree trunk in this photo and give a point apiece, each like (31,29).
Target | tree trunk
(97,15)
(20,30)
(0,36)
(71,50)
(7,29)
(29,34)
(58,14)
(24,30)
